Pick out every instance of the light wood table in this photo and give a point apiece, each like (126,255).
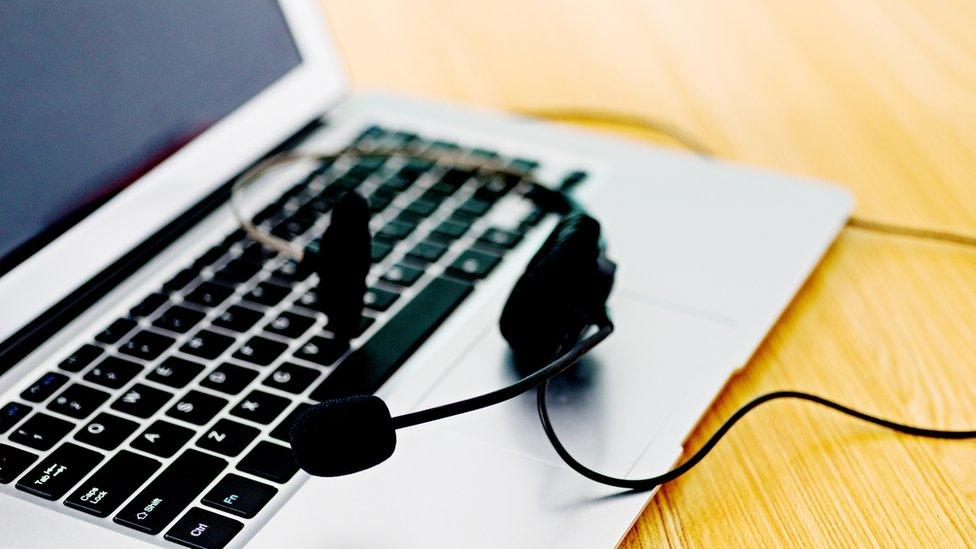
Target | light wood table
(878,95)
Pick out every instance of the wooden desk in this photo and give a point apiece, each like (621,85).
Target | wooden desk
(874,94)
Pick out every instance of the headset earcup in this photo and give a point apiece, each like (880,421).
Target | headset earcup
(563,290)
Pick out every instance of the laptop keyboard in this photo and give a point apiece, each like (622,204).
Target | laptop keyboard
(204,376)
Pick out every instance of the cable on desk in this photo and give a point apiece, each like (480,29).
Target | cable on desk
(686,139)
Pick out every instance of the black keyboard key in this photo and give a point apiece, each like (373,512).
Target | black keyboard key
(404,275)
(421,207)
(41,431)
(11,414)
(179,280)
(207,344)
(260,350)
(282,431)
(162,439)
(291,271)
(523,165)
(229,379)
(290,325)
(209,294)
(141,401)
(309,300)
(146,345)
(365,323)
(202,529)
(149,305)
(170,492)
(394,230)
(267,293)
(291,227)
(237,271)
(113,372)
(500,237)
(175,372)
(269,461)
(13,462)
(291,378)
(209,257)
(238,319)
(113,483)
(178,319)
(474,207)
(380,250)
(56,474)
(84,356)
(451,230)
(239,496)
(371,133)
(196,407)
(366,368)
(572,179)
(78,401)
(379,299)
(44,387)
(260,407)
(106,431)
(227,437)
(115,331)
(473,264)
(321,350)
(427,251)
(256,252)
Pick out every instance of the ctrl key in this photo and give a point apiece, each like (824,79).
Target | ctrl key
(203,529)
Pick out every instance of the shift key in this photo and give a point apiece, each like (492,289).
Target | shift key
(104,491)
(171,492)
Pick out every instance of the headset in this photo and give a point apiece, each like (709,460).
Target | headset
(555,314)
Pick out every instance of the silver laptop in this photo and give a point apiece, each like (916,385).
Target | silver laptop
(153,356)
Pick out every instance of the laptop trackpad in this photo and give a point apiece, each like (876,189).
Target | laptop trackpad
(631,401)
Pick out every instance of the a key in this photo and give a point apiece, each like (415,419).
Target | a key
(178,319)
(291,272)
(209,294)
(451,229)
(291,378)
(267,293)
(282,431)
(146,345)
(228,378)
(309,300)
(84,356)
(403,275)
(379,251)
(260,350)
(115,331)
(58,472)
(179,280)
(237,271)
(113,372)
(106,431)
(41,431)
(11,414)
(427,251)
(238,319)
(290,325)
(366,368)
(379,299)
(475,207)
(500,237)
(175,372)
(321,350)
(209,257)
(13,462)
(141,400)
(203,530)
(239,496)
(260,407)
(78,401)
(207,344)
(196,407)
(227,437)
(148,305)
(269,461)
(170,492)
(44,387)
(162,439)
(473,264)
(113,483)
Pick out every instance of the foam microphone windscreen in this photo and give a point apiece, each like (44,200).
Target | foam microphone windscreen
(342,263)
(342,436)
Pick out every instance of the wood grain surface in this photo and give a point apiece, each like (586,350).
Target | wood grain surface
(878,95)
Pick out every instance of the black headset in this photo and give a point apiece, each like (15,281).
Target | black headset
(555,314)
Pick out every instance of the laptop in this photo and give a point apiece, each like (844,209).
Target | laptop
(153,356)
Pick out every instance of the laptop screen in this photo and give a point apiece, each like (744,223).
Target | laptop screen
(95,93)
